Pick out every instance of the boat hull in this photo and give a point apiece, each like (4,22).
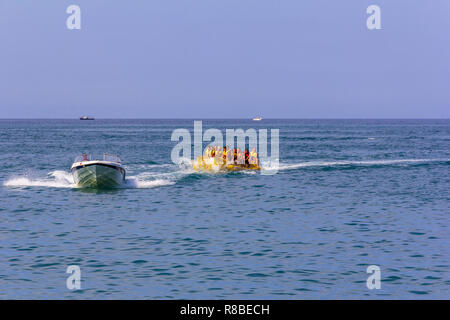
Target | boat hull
(98,176)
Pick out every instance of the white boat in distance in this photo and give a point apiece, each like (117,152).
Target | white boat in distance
(257,119)
(106,173)
(86,118)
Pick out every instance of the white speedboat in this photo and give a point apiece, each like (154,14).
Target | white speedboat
(106,173)
(86,118)
(257,119)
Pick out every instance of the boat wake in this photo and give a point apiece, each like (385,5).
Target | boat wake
(362,163)
(131,183)
(167,175)
(63,179)
(55,179)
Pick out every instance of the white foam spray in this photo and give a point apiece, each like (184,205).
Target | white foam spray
(55,179)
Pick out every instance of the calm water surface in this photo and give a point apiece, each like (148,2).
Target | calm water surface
(349,194)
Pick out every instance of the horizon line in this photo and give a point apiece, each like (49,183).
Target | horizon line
(250,119)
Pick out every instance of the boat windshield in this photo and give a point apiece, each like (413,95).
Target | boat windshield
(111,157)
(83,157)
(106,157)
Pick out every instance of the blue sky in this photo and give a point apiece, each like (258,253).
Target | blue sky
(225,59)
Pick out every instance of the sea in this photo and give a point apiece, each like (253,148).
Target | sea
(348,197)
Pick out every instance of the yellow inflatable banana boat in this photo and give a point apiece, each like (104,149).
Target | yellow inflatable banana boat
(218,164)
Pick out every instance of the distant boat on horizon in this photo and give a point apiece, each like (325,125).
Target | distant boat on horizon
(86,118)
(257,119)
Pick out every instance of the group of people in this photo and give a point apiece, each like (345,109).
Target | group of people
(233,156)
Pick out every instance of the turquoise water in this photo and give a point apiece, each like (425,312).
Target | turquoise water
(349,194)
